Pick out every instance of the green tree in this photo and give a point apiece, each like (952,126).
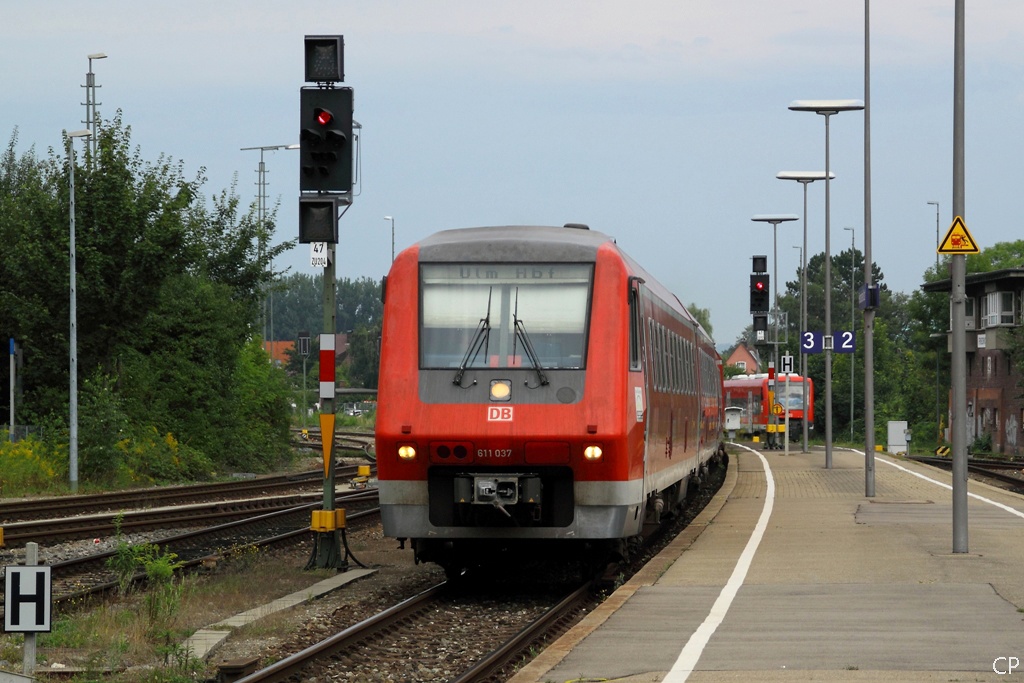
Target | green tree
(703,316)
(168,288)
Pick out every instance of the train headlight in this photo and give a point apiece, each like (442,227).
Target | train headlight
(592,453)
(501,390)
(407,452)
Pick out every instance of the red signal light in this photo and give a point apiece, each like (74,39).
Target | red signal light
(759,285)
(324,117)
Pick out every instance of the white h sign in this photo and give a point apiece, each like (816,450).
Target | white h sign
(27,600)
(787,364)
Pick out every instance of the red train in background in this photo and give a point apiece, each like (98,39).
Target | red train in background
(539,393)
(750,394)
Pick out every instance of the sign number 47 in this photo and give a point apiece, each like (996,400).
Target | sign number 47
(319,255)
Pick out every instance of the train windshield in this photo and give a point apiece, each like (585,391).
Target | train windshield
(468,314)
(794,399)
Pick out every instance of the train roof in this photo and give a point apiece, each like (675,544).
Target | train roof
(513,243)
(573,242)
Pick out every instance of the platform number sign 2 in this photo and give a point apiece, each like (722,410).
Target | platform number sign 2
(843,341)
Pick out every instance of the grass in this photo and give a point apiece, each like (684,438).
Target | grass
(119,633)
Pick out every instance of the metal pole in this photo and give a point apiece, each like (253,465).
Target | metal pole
(853,308)
(869,312)
(261,213)
(803,316)
(805,178)
(828,306)
(775,309)
(938,418)
(391,218)
(958,411)
(827,108)
(28,662)
(73,338)
(10,424)
(261,181)
(328,546)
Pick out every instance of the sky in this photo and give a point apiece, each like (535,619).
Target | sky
(661,123)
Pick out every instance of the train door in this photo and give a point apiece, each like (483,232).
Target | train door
(641,369)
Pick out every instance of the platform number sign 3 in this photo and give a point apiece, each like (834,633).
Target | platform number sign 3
(811,342)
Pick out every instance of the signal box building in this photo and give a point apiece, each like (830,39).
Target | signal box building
(995,405)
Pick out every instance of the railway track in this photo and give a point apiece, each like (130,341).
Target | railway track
(407,632)
(1005,474)
(88,575)
(60,506)
(469,631)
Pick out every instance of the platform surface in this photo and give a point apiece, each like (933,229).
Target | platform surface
(793,574)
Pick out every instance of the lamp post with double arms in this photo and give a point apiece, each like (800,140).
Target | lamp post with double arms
(827,108)
(805,178)
(261,210)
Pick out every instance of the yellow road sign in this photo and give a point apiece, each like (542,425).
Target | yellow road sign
(958,239)
(777,409)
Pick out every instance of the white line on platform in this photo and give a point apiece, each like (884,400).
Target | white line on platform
(694,647)
(1007,508)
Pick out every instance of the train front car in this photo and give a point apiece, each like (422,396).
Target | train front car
(509,421)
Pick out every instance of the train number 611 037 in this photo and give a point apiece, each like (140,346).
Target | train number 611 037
(494,452)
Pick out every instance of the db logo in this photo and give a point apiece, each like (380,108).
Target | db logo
(499,413)
(1005,665)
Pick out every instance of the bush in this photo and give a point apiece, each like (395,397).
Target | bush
(31,466)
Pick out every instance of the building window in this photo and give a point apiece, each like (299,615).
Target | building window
(997,309)
(741,364)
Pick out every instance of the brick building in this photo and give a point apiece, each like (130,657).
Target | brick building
(994,389)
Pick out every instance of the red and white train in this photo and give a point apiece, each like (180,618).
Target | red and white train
(539,392)
(763,409)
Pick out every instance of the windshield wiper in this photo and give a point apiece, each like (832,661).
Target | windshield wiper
(522,336)
(480,339)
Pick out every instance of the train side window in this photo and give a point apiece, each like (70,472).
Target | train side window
(636,330)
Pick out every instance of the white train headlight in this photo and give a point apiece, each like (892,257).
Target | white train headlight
(501,390)
(407,452)
(592,453)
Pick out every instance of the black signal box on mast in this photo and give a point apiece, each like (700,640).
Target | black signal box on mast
(325,140)
(759,298)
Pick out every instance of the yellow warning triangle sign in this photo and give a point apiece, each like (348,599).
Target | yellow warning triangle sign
(958,239)
(327,437)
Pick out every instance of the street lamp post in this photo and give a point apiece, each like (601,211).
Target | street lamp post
(73,337)
(261,211)
(938,422)
(853,309)
(827,108)
(805,178)
(775,219)
(389,218)
(936,204)
(90,102)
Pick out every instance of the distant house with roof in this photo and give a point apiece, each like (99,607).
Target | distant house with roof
(745,358)
(279,350)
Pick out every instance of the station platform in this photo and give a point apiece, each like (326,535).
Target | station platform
(792,574)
